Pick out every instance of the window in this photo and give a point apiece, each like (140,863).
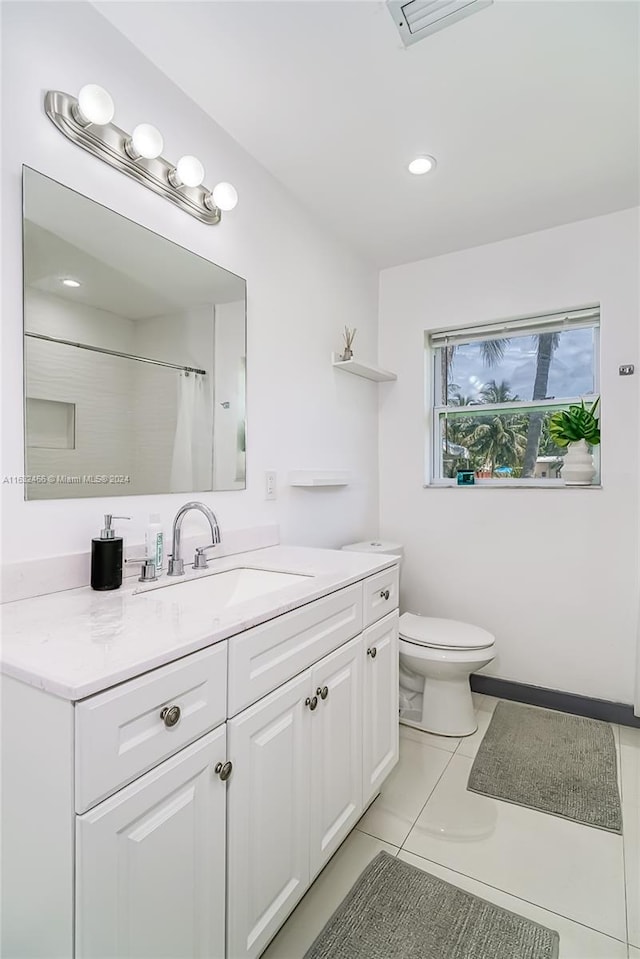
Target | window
(495,388)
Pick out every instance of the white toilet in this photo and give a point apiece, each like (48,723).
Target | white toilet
(437,657)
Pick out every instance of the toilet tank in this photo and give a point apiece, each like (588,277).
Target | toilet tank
(377,546)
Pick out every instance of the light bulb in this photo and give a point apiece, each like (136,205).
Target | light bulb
(225,196)
(423,164)
(145,141)
(94,105)
(188,172)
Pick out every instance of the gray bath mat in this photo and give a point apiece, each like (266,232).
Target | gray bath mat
(395,911)
(552,762)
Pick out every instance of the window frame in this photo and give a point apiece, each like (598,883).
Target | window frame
(434,411)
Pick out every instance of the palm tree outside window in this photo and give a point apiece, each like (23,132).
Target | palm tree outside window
(494,388)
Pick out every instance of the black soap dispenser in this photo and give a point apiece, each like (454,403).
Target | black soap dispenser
(106,556)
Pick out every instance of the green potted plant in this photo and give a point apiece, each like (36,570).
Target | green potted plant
(578,429)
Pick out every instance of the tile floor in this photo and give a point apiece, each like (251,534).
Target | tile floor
(583,882)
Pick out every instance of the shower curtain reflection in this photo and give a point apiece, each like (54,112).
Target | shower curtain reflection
(192,446)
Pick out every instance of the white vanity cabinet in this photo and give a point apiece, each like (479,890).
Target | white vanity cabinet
(145,848)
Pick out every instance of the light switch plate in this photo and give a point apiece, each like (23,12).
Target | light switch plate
(270,486)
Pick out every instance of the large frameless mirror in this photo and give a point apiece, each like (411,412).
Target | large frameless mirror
(135,356)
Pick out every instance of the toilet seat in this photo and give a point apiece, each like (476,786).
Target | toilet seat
(435,633)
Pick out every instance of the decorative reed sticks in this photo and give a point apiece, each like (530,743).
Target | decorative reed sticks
(348,335)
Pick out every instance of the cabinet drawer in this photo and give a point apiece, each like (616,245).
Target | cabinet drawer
(380,595)
(120,734)
(266,656)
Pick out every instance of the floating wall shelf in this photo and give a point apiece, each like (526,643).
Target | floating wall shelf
(362,369)
(319,478)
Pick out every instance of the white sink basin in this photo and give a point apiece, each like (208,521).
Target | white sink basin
(229,587)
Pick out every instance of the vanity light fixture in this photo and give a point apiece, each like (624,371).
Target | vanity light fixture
(145,141)
(422,164)
(224,196)
(188,172)
(69,282)
(87,121)
(94,106)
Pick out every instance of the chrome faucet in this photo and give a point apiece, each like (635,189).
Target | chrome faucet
(176,563)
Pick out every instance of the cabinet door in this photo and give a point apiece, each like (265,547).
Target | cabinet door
(336,751)
(150,863)
(268,823)
(380,746)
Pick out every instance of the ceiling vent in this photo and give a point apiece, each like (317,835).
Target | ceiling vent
(416,19)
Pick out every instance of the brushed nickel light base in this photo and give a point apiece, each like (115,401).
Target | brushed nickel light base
(109,143)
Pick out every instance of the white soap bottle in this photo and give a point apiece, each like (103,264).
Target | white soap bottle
(154,541)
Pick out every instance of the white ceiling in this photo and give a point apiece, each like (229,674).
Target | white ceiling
(530,107)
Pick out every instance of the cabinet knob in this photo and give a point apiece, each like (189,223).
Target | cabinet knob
(224,770)
(311,702)
(373,652)
(322,691)
(170,715)
(384,594)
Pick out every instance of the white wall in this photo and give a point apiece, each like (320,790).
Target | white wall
(303,287)
(552,572)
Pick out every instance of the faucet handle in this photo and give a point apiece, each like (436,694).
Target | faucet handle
(200,560)
(148,573)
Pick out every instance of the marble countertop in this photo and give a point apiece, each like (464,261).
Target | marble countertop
(78,642)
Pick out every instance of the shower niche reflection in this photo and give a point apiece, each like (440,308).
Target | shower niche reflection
(135,356)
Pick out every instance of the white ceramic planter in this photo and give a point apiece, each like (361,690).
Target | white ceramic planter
(578,468)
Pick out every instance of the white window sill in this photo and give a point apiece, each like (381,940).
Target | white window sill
(509,484)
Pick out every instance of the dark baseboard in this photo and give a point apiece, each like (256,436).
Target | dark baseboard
(555,699)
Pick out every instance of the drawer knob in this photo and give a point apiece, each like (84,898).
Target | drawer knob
(311,702)
(373,652)
(170,715)
(224,770)
(384,594)
(322,691)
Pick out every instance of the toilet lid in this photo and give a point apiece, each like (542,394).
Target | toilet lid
(376,546)
(446,633)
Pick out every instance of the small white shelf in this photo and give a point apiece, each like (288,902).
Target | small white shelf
(319,478)
(362,369)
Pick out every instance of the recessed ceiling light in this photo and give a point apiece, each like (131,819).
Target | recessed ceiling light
(71,283)
(423,164)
